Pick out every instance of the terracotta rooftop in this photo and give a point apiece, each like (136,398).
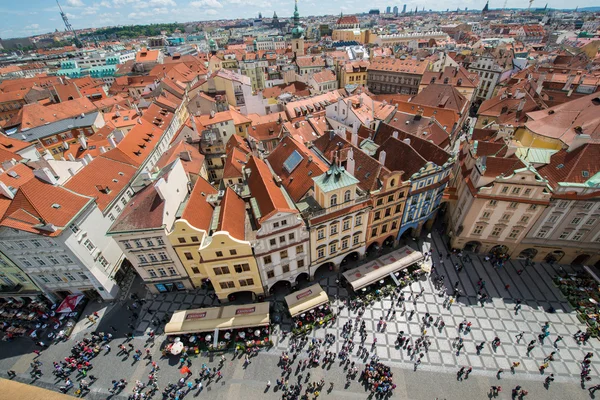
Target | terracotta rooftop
(233,215)
(102,179)
(297,181)
(269,197)
(38,204)
(198,212)
(407,66)
(455,76)
(324,76)
(34,114)
(189,155)
(441,96)
(568,120)
(310,61)
(140,141)
(234,163)
(347,20)
(576,166)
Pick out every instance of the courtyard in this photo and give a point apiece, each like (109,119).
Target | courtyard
(496,318)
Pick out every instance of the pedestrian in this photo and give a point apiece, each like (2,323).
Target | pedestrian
(113,328)
(549,379)
(499,373)
(558,339)
(507,286)
(513,366)
(520,336)
(96,314)
(519,272)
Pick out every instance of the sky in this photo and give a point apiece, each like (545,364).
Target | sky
(31,17)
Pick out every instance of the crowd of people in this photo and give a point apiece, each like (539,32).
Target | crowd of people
(305,353)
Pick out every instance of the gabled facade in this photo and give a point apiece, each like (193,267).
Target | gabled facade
(498,201)
(282,243)
(142,230)
(227,254)
(337,217)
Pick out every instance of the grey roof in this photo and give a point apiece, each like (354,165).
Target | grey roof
(53,128)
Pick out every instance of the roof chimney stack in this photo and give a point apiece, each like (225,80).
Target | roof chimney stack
(382,157)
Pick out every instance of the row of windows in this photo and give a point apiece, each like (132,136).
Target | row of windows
(17,275)
(282,239)
(151,257)
(285,269)
(333,227)
(496,231)
(239,268)
(384,229)
(505,217)
(283,254)
(36,243)
(161,272)
(516,190)
(231,284)
(48,260)
(513,204)
(333,247)
(387,212)
(390,198)
(139,243)
(66,277)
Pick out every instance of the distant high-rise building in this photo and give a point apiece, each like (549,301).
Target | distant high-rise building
(395,10)
(404,9)
(259,15)
(388,9)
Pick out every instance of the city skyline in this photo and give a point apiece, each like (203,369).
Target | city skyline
(37,17)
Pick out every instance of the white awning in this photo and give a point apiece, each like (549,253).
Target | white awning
(378,269)
(306,299)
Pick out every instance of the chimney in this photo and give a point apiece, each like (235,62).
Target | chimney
(382,157)
(310,159)
(83,141)
(185,156)
(354,139)
(161,189)
(45,175)
(395,134)
(578,141)
(5,191)
(407,141)
(112,142)
(350,162)
(331,134)
(70,157)
(103,149)
(6,165)
(88,158)
(71,172)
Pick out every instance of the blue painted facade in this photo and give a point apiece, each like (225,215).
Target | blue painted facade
(425,195)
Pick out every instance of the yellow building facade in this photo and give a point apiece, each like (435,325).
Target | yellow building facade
(230,266)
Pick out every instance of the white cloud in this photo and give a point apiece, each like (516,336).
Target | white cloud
(74,3)
(89,11)
(105,3)
(211,12)
(206,3)
(162,3)
(148,14)
(33,26)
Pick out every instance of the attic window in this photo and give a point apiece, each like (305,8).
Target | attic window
(596,101)
(559,166)
(585,174)
(13,174)
(120,173)
(56,205)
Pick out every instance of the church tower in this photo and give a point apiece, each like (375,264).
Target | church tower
(297,34)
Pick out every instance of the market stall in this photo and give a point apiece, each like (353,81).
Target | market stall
(218,328)
(386,267)
(309,306)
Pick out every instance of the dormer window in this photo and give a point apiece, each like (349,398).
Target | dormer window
(333,200)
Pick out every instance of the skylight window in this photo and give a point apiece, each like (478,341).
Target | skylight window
(585,173)
(292,161)
(559,166)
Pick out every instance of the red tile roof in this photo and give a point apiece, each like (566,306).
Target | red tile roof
(37,204)
(429,151)
(347,20)
(234,163)
(198,212)
(576,166)
(239,142)
(233,215)
(34,114)
(299,181)
(189,155)
(102,179)
(268,195)
(144,211)
(408,66)
(140,141)
(442,96)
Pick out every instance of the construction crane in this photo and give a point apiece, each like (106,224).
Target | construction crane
(530,3)
(68,25)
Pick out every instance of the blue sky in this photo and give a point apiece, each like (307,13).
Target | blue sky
(30,17)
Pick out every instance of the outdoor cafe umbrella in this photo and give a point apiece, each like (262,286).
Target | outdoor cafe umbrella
(69,303)
(185,370)
(227,335)
(177,348)
(242,334)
